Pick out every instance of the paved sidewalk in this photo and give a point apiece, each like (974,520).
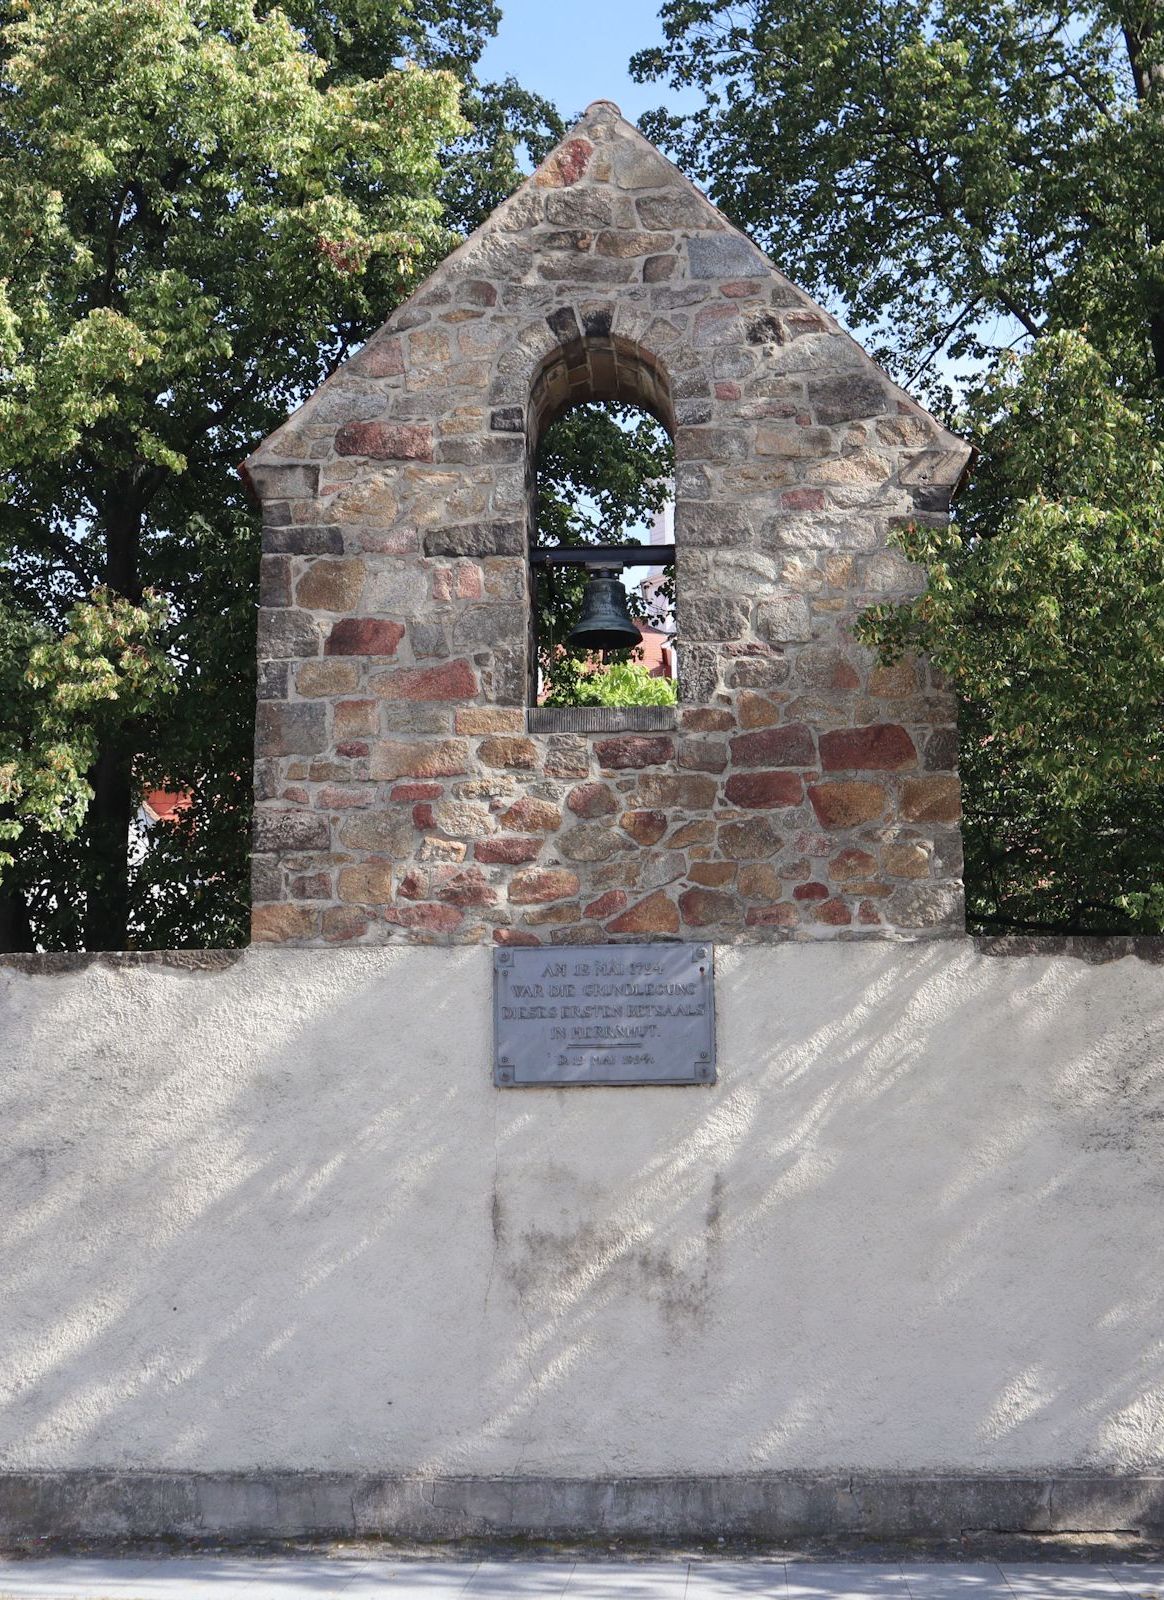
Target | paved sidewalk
(314,1578)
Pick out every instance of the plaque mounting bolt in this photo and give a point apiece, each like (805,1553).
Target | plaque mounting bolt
(701,954)
(505,1076)
(504,958)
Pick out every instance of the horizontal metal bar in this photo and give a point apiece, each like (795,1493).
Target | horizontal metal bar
(604,555)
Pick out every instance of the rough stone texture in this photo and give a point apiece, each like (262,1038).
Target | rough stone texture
(397,523)
(268,1214)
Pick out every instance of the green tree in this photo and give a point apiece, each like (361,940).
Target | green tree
(204,206)
(961,180)
(58,692)
(953,173)
(1045,609)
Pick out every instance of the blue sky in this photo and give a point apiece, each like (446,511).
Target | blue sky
(575,51)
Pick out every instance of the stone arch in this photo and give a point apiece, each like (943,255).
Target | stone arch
(598,365)
(595,365)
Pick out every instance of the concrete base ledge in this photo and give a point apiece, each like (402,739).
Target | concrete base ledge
(99,1504)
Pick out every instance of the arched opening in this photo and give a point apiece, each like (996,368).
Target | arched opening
(602,471)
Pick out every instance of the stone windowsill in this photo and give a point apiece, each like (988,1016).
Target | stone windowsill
(602,719)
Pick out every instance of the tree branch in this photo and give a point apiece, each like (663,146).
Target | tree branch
(943,339)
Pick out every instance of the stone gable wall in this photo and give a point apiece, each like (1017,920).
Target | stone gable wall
(799,790)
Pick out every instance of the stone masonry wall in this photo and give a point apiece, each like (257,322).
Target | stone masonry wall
(799,790)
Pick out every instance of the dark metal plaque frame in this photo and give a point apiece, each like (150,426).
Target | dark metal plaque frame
(612,1014)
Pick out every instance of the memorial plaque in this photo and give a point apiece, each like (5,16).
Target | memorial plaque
(612,1014)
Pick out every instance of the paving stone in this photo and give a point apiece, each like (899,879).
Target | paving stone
(245,1577)
(1074,1581)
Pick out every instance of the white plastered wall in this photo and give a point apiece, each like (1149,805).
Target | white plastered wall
(277,1216)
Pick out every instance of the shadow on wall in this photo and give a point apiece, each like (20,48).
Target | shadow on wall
(278,1217)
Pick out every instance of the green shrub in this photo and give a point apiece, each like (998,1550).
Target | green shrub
(623,683)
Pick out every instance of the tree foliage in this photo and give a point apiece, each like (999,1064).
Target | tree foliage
(56,692)
(953,172)
(964,178)
(204,206)
(1045,608)
(622,683)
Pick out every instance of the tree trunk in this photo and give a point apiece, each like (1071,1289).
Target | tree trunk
(1148,78)
(123,520)
(15,927)
(15,923)
(106,916)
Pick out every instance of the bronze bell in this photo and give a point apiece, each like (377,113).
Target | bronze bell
(604,623)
